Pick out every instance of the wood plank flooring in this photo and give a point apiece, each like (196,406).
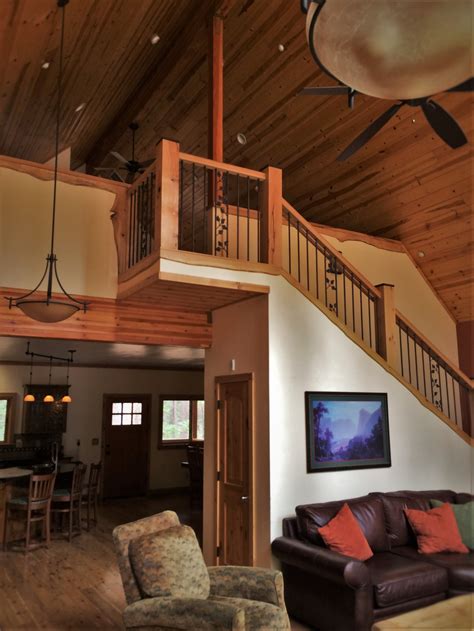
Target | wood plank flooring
(78,586)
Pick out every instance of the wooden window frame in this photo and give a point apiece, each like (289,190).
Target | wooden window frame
(192,440)
(10,421)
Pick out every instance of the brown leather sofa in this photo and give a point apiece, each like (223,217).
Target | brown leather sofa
(333,592)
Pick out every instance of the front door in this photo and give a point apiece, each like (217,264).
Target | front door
(234,423)
(125,445)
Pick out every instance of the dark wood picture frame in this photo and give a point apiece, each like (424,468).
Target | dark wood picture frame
(358,439)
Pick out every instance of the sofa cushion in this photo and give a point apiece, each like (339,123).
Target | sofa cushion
(343,534)
(460,567)
(397,579)
(464,514)
(436,530)
(367,510)
(463,498)
(170,563)
(397,526)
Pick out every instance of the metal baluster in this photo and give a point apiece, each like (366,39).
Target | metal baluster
(205,207)
(181,204)
(289,242)
(416,365)
(335,284)
(447,391)
(238,215)
(361,311)
(325,279)
(225,184)
(307,259)
(369,303)
(298,244)
(431,377)
(401,349)
(193,185)
(257,186)
(424,375)
(440,388)
(344,291)
(130,213)
(248,219)
(353,303)
(317,269)
(408,354)
(214,197)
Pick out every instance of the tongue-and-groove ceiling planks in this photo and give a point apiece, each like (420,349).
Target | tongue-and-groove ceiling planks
(405,184)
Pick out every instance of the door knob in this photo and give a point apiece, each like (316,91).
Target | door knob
(244,498)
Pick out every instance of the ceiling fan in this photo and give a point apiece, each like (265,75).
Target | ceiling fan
(393,50)
(132,166)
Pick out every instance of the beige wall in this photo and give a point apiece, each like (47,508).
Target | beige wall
(85,412)
(414,297)
(85,243)
(240,332)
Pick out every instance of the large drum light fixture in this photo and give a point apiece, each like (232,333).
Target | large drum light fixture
(48,308)
(403,50)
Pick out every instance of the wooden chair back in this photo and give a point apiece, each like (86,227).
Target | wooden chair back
(78,480)
(41,489)
(94,478)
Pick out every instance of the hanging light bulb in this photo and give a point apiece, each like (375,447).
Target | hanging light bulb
(67,397)
(49,397)
(29,397)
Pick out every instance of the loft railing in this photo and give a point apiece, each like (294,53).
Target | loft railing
(433,375)
(183,202)
(220,209)
(141,218)
(328,276)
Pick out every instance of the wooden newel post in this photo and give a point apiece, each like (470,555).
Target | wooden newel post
(387,325)
(270,204)
(167,195)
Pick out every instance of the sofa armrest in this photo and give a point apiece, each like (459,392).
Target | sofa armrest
(325,563)
(252,583)
(184,613)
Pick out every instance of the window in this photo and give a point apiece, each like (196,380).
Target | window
(181,420)
(7,402)
(127,413)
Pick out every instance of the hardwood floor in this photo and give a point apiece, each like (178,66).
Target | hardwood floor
(77,585)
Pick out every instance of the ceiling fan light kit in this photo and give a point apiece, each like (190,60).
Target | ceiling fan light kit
(396,50)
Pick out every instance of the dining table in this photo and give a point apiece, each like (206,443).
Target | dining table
(9,477)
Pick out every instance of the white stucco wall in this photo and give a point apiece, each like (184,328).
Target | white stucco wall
(85,246)
(308,352)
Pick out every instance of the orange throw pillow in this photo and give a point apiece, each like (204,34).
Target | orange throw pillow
(436,530)
(343,534)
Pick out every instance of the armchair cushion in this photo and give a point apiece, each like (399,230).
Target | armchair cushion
(184,613)
(259,616)
(170,563)
(247,582)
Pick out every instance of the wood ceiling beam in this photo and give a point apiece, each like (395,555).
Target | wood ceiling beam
(178,42)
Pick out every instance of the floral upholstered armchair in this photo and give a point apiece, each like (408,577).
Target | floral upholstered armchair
(168,586)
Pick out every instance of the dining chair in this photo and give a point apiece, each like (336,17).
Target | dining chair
(32,508)
(90,494)
(195,455)
(69,501)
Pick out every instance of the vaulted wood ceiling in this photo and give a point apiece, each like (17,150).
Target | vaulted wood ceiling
(405,184)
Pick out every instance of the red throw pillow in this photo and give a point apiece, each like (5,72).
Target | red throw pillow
(343,534)
(436,530)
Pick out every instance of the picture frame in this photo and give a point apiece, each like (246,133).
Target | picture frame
(346,430)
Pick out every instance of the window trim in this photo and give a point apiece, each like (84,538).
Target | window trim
(10,420)
(192,440)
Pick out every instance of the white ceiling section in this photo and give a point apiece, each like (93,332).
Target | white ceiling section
(12,349)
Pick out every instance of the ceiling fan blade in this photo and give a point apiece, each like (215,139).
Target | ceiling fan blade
(369,133)
(146,163)
(444,124)
(466,86)
(117,176)
(321,90)
(102,168)
(130,177)
(119,156)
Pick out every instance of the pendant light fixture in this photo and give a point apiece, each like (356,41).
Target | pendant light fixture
(49,308)
(49,398)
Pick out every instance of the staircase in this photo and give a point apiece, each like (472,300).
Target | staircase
(222,215)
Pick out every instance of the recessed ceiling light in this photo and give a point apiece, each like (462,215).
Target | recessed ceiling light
(80,107)
(421,254)
(155,39)
(241,138)
(281,48)
(45,65)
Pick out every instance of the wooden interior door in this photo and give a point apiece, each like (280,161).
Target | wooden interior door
(125,445)
(234,426)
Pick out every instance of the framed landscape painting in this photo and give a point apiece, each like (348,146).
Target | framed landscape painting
(346,431)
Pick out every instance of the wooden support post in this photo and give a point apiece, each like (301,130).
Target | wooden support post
(216,88)
(270,204)
(387,325)
(167,195)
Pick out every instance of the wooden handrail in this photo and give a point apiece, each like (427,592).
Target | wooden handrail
(143,176)
(222,166)
(469,383)
(340,257)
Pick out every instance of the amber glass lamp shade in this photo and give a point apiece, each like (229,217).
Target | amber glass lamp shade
(66,399)
(48,398)
(43,311)
(29,398)
(393,49)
